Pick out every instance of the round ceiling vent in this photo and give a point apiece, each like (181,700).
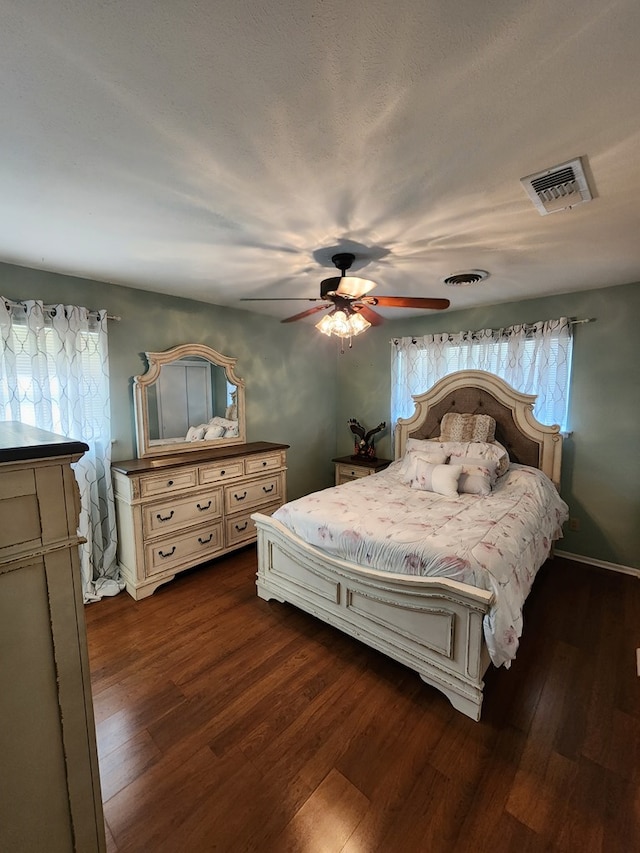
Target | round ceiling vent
(464,279)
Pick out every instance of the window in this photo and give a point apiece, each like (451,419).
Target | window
(534,359)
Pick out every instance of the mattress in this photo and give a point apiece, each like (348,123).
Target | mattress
(495,542)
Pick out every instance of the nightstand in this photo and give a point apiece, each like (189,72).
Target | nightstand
(353,467)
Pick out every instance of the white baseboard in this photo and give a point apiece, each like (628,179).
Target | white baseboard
(601,564)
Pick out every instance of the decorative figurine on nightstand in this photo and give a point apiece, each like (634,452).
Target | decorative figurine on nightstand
(364,440)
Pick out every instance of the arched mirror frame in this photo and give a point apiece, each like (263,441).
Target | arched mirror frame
(141,383)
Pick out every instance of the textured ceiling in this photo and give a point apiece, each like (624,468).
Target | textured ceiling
(224,149)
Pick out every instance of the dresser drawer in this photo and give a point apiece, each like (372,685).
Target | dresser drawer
(266,462)
(165,484)
(182,548)
(161,517)
(245,495)
(242,528)
(228,470)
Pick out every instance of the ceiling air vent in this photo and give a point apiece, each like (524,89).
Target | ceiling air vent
(558,188)
(464,279)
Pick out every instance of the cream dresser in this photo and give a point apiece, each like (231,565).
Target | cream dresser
(176,512)
(49,783)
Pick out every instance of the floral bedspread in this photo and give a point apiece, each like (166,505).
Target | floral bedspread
(495,542)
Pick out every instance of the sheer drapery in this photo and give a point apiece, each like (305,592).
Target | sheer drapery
(534,359)
(54,374)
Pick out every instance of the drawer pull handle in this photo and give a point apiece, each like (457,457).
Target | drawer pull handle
(244,527)
(222,473)
(205,541)
(240,497)
(203,508)
(264,463)
(267,490)
(169,482)
(162,554)
(164,517)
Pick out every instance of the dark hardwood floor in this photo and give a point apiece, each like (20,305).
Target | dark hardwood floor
(228,723)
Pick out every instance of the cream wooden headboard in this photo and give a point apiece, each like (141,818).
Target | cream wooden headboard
(527,440)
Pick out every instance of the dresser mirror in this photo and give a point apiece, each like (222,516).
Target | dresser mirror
(189,399)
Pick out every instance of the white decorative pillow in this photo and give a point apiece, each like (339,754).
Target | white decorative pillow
(411,457)
(215,431)
(456,426)
(477,477)
(196,433)
(442,479)
(458,450)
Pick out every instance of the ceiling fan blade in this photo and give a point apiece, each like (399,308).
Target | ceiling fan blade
(306,313)
(369,314)
(410,302)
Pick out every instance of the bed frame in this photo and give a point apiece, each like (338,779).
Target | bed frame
(433,625)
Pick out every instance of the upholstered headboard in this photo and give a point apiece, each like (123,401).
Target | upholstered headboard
(527,440)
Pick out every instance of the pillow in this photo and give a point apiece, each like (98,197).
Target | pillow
(223,422)
(231,431)
(442,479)
(458,450)
(195,433)
(467,427)
(215,431)
(409,460)
(477,476)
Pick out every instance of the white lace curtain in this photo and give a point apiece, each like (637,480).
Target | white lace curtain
(534,359)
(54,374)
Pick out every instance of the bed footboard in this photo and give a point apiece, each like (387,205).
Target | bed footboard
(432,625)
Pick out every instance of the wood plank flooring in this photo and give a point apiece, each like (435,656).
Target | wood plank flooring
(229,723)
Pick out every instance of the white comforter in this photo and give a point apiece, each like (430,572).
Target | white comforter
(495,542)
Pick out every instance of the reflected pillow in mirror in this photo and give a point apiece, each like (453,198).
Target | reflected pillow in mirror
(196,433)
(215,431)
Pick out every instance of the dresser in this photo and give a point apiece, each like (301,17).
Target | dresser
(352,467)
(49,782)
(176,512)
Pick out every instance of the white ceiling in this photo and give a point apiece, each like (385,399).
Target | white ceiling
(222,149)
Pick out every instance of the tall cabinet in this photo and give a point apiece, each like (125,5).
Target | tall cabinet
(49,782)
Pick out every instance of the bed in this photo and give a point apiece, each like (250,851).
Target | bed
(452,603)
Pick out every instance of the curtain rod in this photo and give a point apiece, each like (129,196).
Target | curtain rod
(49,308)
(530,325)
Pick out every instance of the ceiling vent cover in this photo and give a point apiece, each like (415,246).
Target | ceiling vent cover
(465,279)
(558,188)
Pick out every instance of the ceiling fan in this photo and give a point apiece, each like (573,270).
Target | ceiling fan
(352,306)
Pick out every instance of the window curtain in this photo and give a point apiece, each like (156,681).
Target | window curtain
(54,374)
(533,359)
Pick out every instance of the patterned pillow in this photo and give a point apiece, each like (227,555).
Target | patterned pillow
(458,450)
(408,468)
(467,427)
(477,477)
(442,479)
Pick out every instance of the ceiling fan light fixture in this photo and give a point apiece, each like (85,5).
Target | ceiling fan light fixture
(342,325)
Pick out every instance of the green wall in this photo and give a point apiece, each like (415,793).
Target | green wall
(301,391)
(601,460)
(289,374)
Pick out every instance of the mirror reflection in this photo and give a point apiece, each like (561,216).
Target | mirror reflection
(189,398)
(191,401)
